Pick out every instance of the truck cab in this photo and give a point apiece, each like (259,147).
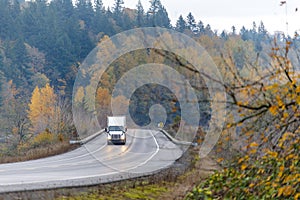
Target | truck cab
(116,130)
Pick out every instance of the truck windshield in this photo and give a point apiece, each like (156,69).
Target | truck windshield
(115,128)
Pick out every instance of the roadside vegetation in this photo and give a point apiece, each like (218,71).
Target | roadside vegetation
(42,45)
(263,131)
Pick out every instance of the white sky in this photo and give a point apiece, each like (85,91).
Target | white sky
(222,14)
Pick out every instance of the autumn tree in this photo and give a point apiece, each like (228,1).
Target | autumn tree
(263,112)
(43,110)
(103,108)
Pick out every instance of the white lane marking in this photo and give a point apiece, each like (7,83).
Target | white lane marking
(93,176)
(44,164)
(133,153)
(89,176)
(27,163)
(146,161)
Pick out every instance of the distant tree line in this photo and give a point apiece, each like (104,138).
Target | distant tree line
(40,39)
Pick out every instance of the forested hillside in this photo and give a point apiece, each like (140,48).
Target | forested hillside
(42,45)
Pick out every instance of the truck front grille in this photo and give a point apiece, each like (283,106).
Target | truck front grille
(116,137)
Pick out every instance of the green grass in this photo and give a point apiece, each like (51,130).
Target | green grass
(146,192)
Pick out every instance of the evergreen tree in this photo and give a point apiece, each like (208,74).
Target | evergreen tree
(85,12)
(180,24)
(244,33)
(9,27)
(140,17)
(262,30)
(233,29)
(157,15)
(100,21)
(224,35)
(191,22)
(208,30)
(201,27)
(118,8)
(253,30)
(118,11)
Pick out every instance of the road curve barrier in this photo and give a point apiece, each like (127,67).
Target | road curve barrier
(87,139)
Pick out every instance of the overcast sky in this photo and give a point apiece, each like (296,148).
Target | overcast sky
(222,14)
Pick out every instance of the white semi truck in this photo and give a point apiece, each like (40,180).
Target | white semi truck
(116,129)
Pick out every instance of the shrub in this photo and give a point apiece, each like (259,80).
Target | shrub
(44,138)
(275,175)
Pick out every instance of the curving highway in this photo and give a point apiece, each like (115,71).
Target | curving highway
(145,152)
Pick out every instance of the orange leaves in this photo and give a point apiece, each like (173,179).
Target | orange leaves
(253,144)
(102,97)
(240,160)
(244,166)
(298,89)
(273,110)
(239,103)
(298,100)
(281,168)
(219,160)
(285,191)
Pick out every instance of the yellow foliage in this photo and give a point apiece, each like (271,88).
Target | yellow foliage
(240,160)
(280,174)
(229,125)
(253,144)
(252,151)
(273,110)
(298,100)
(260,171)
(281,168)
(285,191)
(79,96)
(239,103)
(243,167)
(43,138)
(298,89)
(43,112)
(273,154)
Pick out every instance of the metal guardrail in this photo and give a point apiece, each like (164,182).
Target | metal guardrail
(174,140)
(87,139)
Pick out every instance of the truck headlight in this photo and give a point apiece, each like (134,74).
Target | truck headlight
(109,137)
(123,137)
